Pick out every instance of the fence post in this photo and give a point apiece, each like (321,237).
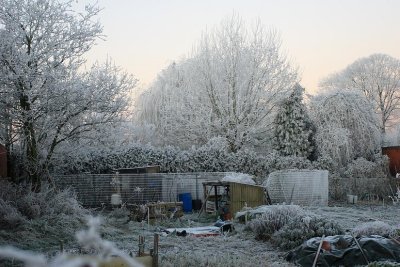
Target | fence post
(94,190)
(155,250)
(197,186)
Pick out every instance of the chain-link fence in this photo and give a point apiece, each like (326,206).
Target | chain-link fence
(95,190)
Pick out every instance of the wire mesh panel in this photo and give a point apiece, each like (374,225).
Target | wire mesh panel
(302,187)
(96,189)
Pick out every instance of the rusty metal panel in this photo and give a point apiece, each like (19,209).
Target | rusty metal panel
(393,153)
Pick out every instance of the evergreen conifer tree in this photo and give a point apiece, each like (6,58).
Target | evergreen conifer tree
(294,131)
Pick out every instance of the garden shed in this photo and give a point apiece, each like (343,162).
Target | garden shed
(227,198)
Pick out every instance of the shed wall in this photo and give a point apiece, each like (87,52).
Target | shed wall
(242,194)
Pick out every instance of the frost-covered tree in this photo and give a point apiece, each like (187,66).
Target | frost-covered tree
(378,78)
(294,131)
(347,127)
(45,98)
(228,87)
(173,107)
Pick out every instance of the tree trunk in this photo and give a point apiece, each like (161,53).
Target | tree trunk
(32,155)
(34,172)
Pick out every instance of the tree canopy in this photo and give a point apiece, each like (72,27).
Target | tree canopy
(46,96)
(228,87)
(346,126)
(378,78)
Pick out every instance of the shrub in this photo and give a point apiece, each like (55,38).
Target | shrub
(272,219)
(38,219)
(10,217)
(302,228)
(120,213)
(287,226)
(361,168)
(208,158)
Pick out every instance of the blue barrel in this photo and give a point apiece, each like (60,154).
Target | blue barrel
(186,198)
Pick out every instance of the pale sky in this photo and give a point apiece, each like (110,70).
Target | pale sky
(319,36)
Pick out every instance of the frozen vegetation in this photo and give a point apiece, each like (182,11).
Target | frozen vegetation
(46,238)
(235,104)
(271,231)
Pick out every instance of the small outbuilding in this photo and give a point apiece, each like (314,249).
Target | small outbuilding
(393,153)
(227,198)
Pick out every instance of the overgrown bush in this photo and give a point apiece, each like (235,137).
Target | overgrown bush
(272,219)
(360,177)
(208,158)
(215,157)
(361,168)
(120,213)
(287,226)
(302,228)
(10,217)
(36,220)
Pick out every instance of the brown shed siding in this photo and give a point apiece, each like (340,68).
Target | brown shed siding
(393,152)
(241,194)
(3,161)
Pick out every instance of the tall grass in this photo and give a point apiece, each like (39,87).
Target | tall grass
(38,220)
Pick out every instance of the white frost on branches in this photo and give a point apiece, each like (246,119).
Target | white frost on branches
(228,88)
(46,95)
(293,127)
(378,78)
(347,127)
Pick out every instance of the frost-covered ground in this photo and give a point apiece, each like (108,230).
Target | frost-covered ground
(237,249)
(349,215)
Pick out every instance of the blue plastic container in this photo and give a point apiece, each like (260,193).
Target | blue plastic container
(186,198)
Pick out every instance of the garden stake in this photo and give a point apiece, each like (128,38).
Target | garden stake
(395,240)
(362,251)
(318,251)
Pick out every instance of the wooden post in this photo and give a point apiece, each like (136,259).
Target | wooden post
(148,217)
(206,198)
(318,251)
(216,199)
(155,250)
(141,246)
(362,251)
